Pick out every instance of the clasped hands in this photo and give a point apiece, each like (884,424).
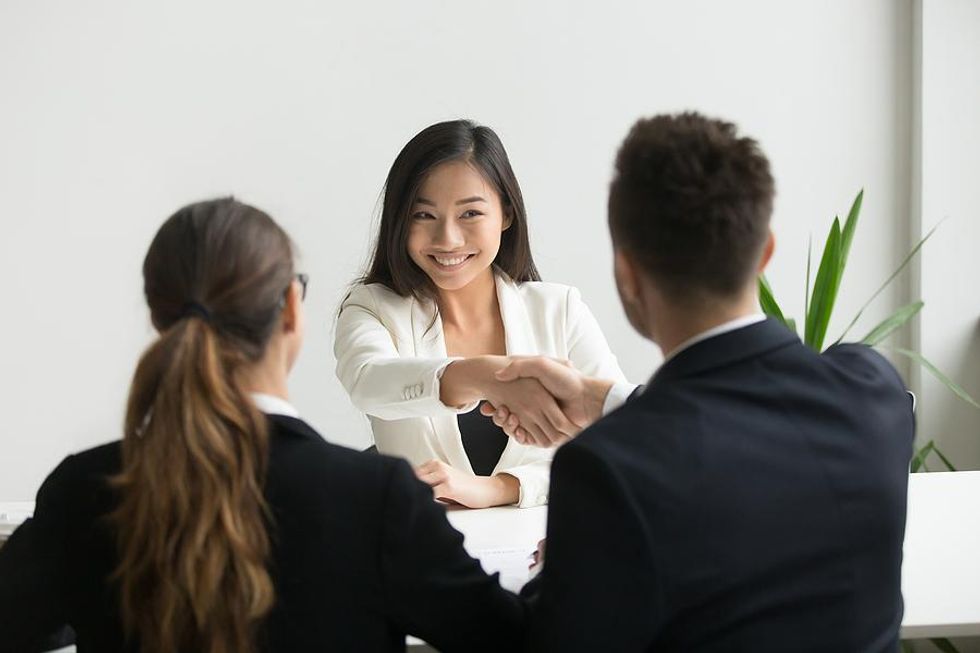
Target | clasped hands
(544,401)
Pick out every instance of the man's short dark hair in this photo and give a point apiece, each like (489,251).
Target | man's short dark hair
(690,202)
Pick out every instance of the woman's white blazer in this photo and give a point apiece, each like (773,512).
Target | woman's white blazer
(391,354)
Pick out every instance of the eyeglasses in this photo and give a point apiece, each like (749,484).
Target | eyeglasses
(303,280)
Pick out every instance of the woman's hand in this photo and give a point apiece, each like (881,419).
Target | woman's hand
(457,486)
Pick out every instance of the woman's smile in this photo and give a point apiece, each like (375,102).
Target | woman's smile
(450,263)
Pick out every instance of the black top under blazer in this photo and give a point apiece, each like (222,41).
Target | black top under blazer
(752,498)
(361,556)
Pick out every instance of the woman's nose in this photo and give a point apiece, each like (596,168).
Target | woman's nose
(448,235)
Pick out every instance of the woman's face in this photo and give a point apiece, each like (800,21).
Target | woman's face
(456,223)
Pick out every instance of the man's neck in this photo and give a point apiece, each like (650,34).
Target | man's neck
(680,324)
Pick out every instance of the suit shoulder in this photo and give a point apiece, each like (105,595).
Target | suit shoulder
(301,456)
(862,359)
(626,436)
(99,461)
(610,437)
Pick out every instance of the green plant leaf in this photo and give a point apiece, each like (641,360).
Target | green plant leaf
(943,458)
(806,295)
(894,321)
(824,290)
(847,234)
(945,380)
(908,257)
(767,301)
(919,459)
(944,645)
(791,324)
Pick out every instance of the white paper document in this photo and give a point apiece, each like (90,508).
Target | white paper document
(511,563)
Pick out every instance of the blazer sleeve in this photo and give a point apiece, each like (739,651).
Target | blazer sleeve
(434,589)
(34,569)
(596,591)
(587,347)
(378,379)
(534,478)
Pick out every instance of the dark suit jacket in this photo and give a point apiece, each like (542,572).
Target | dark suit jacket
(752,498)
(362,555)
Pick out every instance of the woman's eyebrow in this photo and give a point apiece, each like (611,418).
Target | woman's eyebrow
(470,200)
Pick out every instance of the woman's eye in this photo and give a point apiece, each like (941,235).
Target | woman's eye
(472,213)
(422,215)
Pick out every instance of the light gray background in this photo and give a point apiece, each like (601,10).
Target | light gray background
(113,114)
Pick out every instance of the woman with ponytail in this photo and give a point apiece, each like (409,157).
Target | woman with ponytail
(222,523)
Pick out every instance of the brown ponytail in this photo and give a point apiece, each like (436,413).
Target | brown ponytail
(192,521)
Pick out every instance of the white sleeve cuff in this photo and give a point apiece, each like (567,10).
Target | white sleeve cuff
(617,396)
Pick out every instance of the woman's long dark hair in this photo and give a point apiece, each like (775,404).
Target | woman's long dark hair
(192,520)
(456,140)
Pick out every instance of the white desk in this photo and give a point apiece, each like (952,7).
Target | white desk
(941,573)
(940,577)
(12,514)
(502,539)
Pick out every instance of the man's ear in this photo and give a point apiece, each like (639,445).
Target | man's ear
(767,251)
(625,272)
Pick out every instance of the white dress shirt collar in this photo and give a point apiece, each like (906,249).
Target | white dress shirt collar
(731,325)
(272,405)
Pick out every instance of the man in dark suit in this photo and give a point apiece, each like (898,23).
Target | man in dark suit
(752,497)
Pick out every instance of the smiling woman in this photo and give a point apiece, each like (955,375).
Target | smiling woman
(451,296)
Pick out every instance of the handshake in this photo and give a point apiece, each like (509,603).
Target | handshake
(543,401)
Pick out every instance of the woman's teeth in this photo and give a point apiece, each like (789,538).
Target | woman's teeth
(449,262)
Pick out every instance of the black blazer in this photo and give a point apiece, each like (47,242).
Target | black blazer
(362,555)
(752,498)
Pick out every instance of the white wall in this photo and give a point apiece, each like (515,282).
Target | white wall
(949,156)
(113,114)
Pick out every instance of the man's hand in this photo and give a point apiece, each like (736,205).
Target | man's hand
(579,397)
(537,558)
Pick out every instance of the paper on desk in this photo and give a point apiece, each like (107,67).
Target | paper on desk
(511,563)
(13,515)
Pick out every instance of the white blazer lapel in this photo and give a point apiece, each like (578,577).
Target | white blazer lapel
(427,332)
(518,334)
(518,330)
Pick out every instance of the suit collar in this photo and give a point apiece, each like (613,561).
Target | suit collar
(725,349)
(292,426)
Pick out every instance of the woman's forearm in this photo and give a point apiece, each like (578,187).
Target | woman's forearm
(507,490)
(469,379)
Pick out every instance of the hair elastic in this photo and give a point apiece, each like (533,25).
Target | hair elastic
(193,309)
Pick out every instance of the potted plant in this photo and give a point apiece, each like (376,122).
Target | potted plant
(819,304)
